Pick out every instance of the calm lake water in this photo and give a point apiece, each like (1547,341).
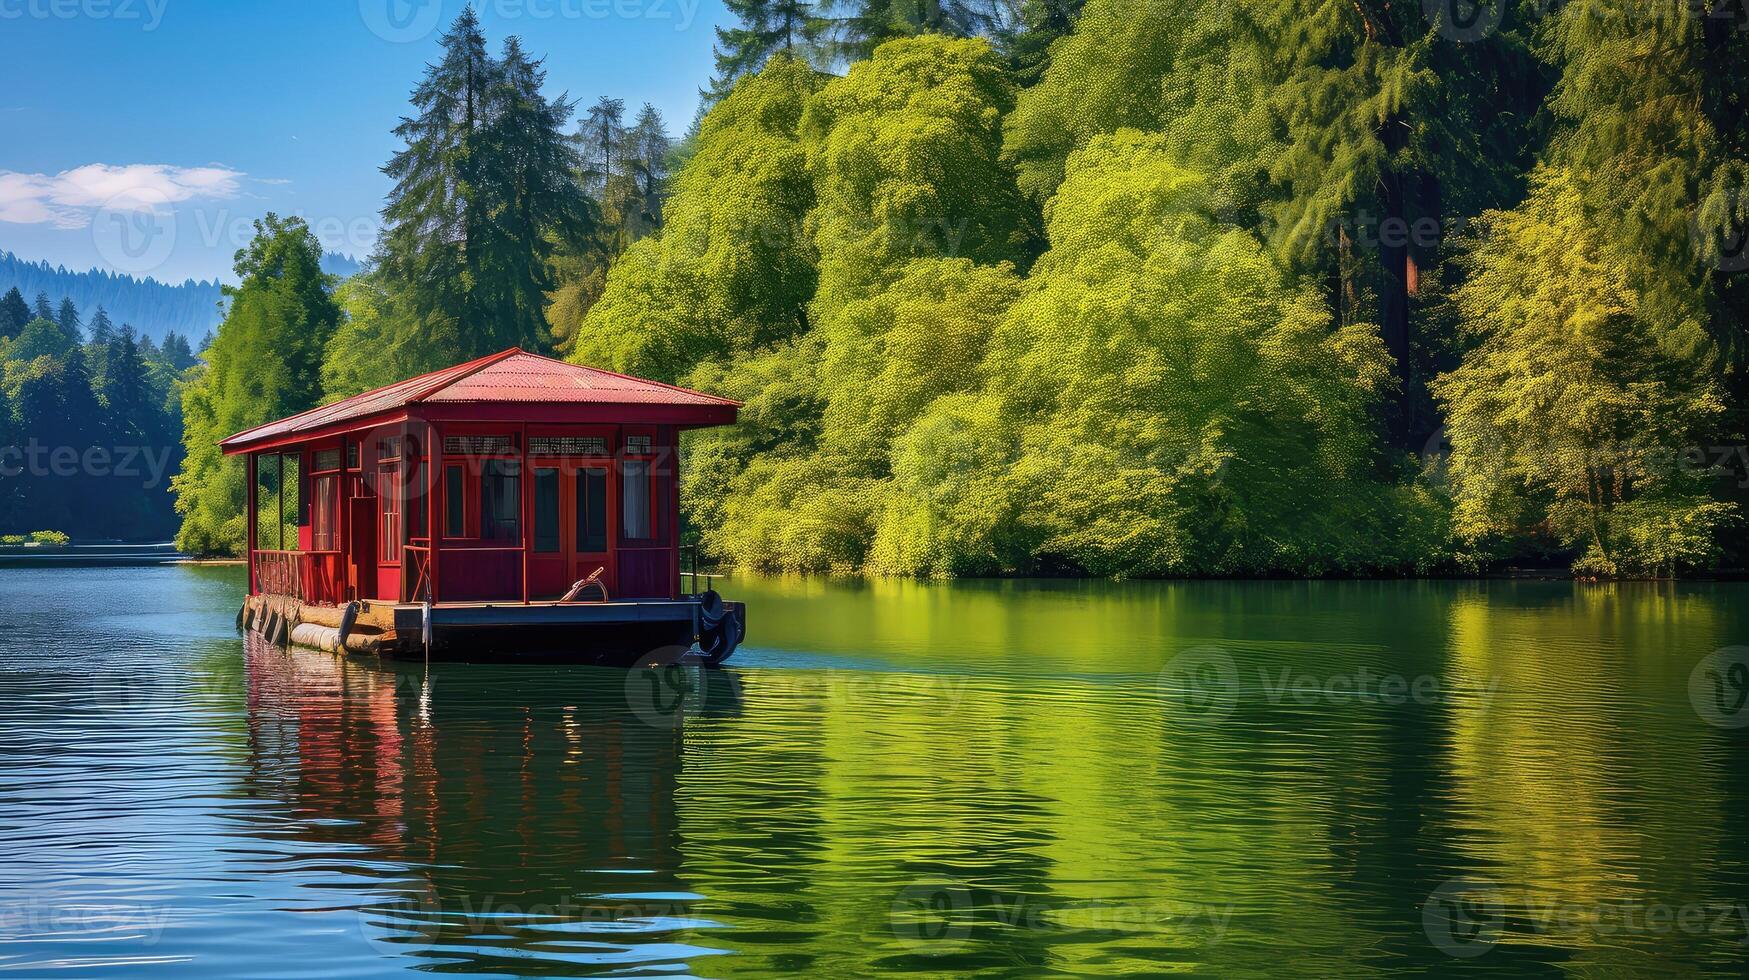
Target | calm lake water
(1013,779)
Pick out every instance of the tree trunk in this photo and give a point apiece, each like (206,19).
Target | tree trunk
(1394,301)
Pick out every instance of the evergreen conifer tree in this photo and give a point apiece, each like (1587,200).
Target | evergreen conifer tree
(102,330)
(436,215)
(68,318)
(484,187)
(14,313)
(529,176)
(764,28)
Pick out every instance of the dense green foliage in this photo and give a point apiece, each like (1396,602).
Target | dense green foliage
(1568,419)
(1102,78)
(1654,130)
(732,270)
(1237,438)
(1129,290)
(37,538)
(356,357)
(1227,360)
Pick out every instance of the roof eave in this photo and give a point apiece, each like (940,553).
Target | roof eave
(240,443)
(559,413)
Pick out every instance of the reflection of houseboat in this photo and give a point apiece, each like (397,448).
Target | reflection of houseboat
(507,507)
(545,838)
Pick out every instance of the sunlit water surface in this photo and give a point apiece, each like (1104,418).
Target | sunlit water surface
(1013,779)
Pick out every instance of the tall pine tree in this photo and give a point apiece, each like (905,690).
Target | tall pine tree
(528,175)
(646,153)
(1653,124)
(436,213)
(127,397)
(601,136)
(484,187)
(102,330)
(68,318)
(764,28)
(1387,121)
(14,313)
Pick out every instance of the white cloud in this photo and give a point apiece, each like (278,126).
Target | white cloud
(70,198)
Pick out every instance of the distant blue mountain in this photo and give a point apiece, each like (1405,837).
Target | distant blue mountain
(153,308)
(340,264)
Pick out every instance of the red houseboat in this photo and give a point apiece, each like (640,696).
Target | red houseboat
(511,506)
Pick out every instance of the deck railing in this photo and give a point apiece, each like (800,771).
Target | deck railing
(417,561)
(308,576)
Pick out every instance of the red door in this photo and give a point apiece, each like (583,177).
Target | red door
(361,523)
(390,491)
(571,533)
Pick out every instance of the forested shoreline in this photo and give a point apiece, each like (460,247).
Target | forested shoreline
(90,424)
(1125,289)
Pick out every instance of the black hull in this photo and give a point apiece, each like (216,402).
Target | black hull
(612,633)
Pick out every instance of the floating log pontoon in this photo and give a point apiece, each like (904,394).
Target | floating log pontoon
(507,508)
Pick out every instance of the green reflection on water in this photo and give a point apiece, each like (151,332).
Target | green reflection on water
(1008,778)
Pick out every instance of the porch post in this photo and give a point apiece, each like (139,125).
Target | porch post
(404,472)
(435,505)
(342,525)
(249,522)
(527,512)
(673,486)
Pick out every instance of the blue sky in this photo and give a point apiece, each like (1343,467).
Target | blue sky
(144,135)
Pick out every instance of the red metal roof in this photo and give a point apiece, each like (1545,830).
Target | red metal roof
(507,378)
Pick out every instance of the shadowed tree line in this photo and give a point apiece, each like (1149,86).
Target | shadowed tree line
(90,421)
